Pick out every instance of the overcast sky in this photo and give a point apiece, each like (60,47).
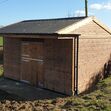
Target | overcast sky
(12,11)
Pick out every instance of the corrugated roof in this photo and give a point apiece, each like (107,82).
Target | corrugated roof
(40,26)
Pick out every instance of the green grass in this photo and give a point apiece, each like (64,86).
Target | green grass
(98,100)
(1,41)
(1,56)
(1,70)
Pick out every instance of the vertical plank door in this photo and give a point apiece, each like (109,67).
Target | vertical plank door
(32,63)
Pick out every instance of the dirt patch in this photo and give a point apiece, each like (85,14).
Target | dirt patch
(10,102)
(25,106)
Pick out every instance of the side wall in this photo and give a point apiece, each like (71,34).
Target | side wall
(94,52)
(58,65)
(12,58)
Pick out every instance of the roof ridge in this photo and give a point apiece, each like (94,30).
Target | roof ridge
(50,19)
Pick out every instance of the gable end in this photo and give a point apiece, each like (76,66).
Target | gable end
(84,23)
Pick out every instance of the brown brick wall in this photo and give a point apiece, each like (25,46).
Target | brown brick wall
(94,52)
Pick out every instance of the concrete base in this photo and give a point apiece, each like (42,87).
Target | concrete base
(26,91)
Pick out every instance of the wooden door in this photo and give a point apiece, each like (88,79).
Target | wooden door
(32,63)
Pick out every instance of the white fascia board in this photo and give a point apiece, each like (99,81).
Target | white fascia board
(98,22)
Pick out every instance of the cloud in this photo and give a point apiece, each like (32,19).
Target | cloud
(103,6)
(79,12)
(82,13)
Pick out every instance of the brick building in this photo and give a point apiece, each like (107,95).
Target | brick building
(66,55)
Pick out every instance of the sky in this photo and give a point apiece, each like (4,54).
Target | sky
(12,11)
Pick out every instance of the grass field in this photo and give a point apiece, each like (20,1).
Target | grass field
(1,41)
(1,56)
(98,100)
(1,70)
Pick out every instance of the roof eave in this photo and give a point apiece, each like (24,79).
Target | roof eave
(38,35)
